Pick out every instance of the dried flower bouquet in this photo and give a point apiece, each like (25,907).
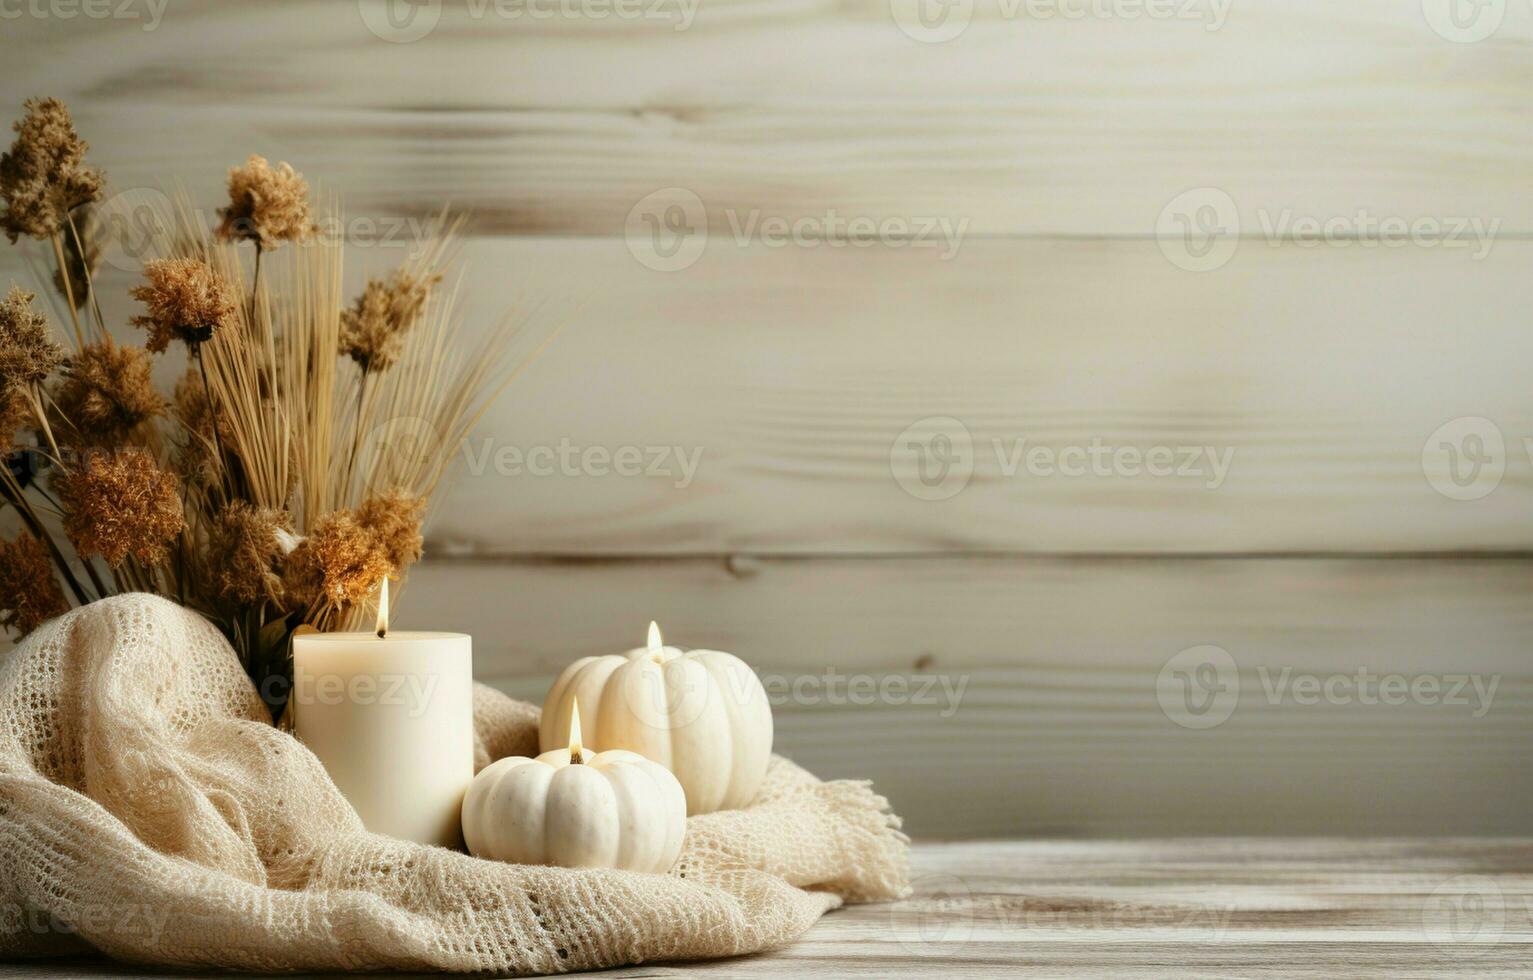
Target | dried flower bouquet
(292,466)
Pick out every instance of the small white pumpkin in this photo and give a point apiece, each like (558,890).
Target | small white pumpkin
(702,714)
(577,809)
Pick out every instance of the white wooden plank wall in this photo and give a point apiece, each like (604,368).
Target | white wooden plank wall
(1026,184)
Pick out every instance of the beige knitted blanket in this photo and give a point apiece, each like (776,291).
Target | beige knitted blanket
(149,809)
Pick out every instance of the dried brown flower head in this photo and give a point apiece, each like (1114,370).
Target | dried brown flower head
(106,394)
(27,351)
(15,412)
(80,258)
(395,519)
(44,176)
(267,205)
(185,300)
(246,547)
(341,561)
(373,330)
(29,591)
(121,503)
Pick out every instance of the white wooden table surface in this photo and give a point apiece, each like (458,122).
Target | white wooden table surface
(1222,908)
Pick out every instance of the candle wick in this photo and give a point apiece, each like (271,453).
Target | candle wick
(577,757)
(381,631)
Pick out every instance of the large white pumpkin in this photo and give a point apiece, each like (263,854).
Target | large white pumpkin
(611,810)
(702,714)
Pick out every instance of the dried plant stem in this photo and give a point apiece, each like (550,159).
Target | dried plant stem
(208,393)
(181,563)
(356,437)
(35,403)
(17,499)
(128,578)
(95,577)
(90,283)
(69,293)
(86,563)
(255,284)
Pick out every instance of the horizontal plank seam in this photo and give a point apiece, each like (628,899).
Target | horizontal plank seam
(440,555)
(489,228)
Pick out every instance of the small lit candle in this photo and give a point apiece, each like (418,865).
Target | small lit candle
(391,716)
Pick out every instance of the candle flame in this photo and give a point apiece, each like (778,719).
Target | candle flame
(576,756)
(383,608)
(654,636)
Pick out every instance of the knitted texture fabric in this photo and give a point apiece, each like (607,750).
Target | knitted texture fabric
(150,810)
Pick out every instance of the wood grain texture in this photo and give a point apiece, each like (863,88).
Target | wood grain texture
(1031,123)
(786,377)
(1204,908)
(1318,375)
(1004,697)
(791,372)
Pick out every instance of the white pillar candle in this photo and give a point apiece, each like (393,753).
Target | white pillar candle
(391,716)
